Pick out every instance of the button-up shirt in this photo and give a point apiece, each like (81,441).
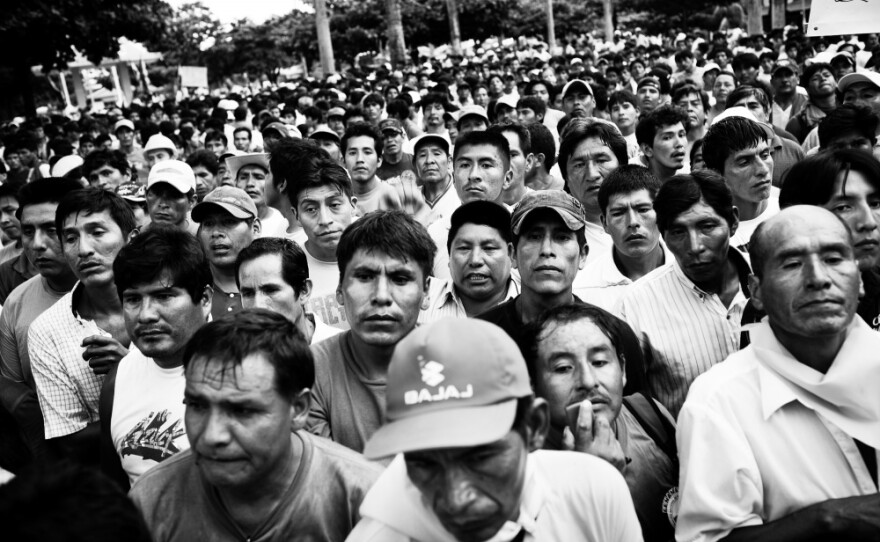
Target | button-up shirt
(444,300)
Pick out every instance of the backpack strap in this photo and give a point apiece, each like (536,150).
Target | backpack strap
(658,426)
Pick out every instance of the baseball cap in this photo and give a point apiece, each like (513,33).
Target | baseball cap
(439,139)
(123,123)
(861,77)
(133,192)
(567,207)
(576,60)
(158,141)
(335,112)
(174,172)
(711,66)
(506,99)
(452,383)
(66,164)
(390,125)
(575,83)
(649,81)
(235,163)
(322,131)
(845,55)
(473,110)
(278,127)
(786,65)
(742,112)
(234,201)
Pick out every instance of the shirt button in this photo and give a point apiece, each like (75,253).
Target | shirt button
(229,309)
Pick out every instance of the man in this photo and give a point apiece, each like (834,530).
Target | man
(384,262)
(862,89)
(663,140)
(472,117)
(9,223)
(250,467)
(395,162)
(228,223)
(707,283)
(73,344)
(252,175)
(530,110)
(434,106)
(171,194)
(362,149)
(206,169)
(164,283)
(521,160)
(158,149)
(648,94)
(328,140)
(466,427)
(626,200)
(787,101)
(588,154)
(273,274)
(336,120)
(577,99)
(780,441)
(505,109)
(725,83)
(42,246)
(216,142)
(241,138)
(738,148)
(821,86)
(106,169)
(431,154)
(624,111)
(575,363)
(694,103)
(543,148)
(842,64)
(687,72)
(850,126)
(134,154)
(746,68)
(480,251)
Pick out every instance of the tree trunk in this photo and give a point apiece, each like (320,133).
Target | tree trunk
(454,29)
(396,44)
(551,28)
(608,19)
(325,45)
(754,20)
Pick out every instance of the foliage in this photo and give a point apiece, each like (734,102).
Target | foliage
(190,25)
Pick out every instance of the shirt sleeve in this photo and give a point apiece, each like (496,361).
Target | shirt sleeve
(63,411)
(319,417)
(720,485)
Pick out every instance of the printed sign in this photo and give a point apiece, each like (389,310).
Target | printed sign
(830,17)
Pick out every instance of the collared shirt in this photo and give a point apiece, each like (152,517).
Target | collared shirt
(224,302)
(598,241)
(601,282)
(67,387)
(446,204)
(445,301)
(752,452)
(686,329)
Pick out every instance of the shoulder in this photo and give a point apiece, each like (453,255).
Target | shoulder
(354,467)
(652,283)
(329,348)
(53,320)
(22,291)
(498,314)
(578,475)
(729,378)
(164,481)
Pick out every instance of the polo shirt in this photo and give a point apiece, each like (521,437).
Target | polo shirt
(224,303)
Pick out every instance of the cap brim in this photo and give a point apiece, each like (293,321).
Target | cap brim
(182,189)
(572,222)
(448,428)
(200,210)
(851,79)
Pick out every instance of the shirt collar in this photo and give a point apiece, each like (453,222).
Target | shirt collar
(449,292)
(775,394)
(743,270)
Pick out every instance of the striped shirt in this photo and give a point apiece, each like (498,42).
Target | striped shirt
(601,283)
(67,387)
(445,302)
(687,329)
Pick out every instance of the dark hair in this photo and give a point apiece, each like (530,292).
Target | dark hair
(95,200)
(655,121)
(232,338)
(294,265)
(626,179)
(434,98)
(811,181)
(243,129)
(323,172)
(99,158)
(392,233)
(542,143)
(534,103)
(580,129)
(681,192)
(216,135)
(812,69)
(483,213)
(359,129)
(374,98)
(686,90)
(530,88)
(728,137)
(10,190)
(745,60)
(483,137)
(681,55)
(848,118)
(353,112)
(525,140)
(48,190)
(744,91)
(398,109)
(621,97)
(163,249)
(294,160)
(696,147)
(204,158)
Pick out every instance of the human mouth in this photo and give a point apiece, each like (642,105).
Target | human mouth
(88,267)
(380,319)
(547,269)
(678,156)
(636,237)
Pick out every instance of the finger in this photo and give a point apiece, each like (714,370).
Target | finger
(585,418)
(567,439)
(96,339)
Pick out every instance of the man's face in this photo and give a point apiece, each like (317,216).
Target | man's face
(382,296)
(241,140)
(472,491)
(125,137)
(841,67)
(850,140)
(433,113)
(86,148)
(479,261)
(480,173)
(432,164)
(527,116)
(205,181)
(331,146)
(548,254)
(578,102)
(262,286)
(590,163)
(471,123)
(223,236)
(784,81)
(857,202)
(576,361)
(216,146)
(106,177)
(324,213)
(540,90)
(520,163)
(752,104)
(504,114)
(40,242)
(337,124)
(811,280)
(865,94)
(8,223)
(669,146)
(821,84)
(746,74)
(699,239)
(749,173)
(374,111)
(625,115)
(648,97)
(161,317)
(361,159)
(393,142)
(724,85)
(253,179)
(90,243)
(156,156)
(631,221)
(167,205)
(237,423)
(481,97)
(693,106)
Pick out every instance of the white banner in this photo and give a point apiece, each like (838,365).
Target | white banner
(828,17)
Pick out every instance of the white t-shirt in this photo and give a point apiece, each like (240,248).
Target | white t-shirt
(274,225)
(322,302)
(147,422)
(740,239)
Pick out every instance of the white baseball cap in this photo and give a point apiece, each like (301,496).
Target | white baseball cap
(174,172)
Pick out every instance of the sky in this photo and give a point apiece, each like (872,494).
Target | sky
(227,11)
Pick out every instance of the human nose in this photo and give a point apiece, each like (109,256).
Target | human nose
(547,245)
(325,217)
(816,273)
(382,291)
(586,376)
(591,172)
(458,493)
(695,242)
(215,429)
(40,242)
(147,312)
(865,219)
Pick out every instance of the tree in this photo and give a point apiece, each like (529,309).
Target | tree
(396,44)
(325,43)
(454,29)
(47,33)
(181,44)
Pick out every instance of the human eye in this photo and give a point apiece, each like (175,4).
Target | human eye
(247,293)
(194,404)
(563,368)
(131,299)
(842,208)
(28,231)
(874,203)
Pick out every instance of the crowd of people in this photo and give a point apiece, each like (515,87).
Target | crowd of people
(630,292)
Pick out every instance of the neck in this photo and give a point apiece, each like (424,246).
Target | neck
(636,268)
(319,253)
(815,352)
(474,307)
(696,133)
(725,282)
(393,159)
(306,325)
(784,99)
(539,179)
(170,362)
(224,278)
(62,283)
(263,211)
(825,103)
(433,191)
(366,186)
(515,193)
(629,130)
(373,358)
(750,209)
(99,300)
(662,172)
(287,212)
(531,304)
